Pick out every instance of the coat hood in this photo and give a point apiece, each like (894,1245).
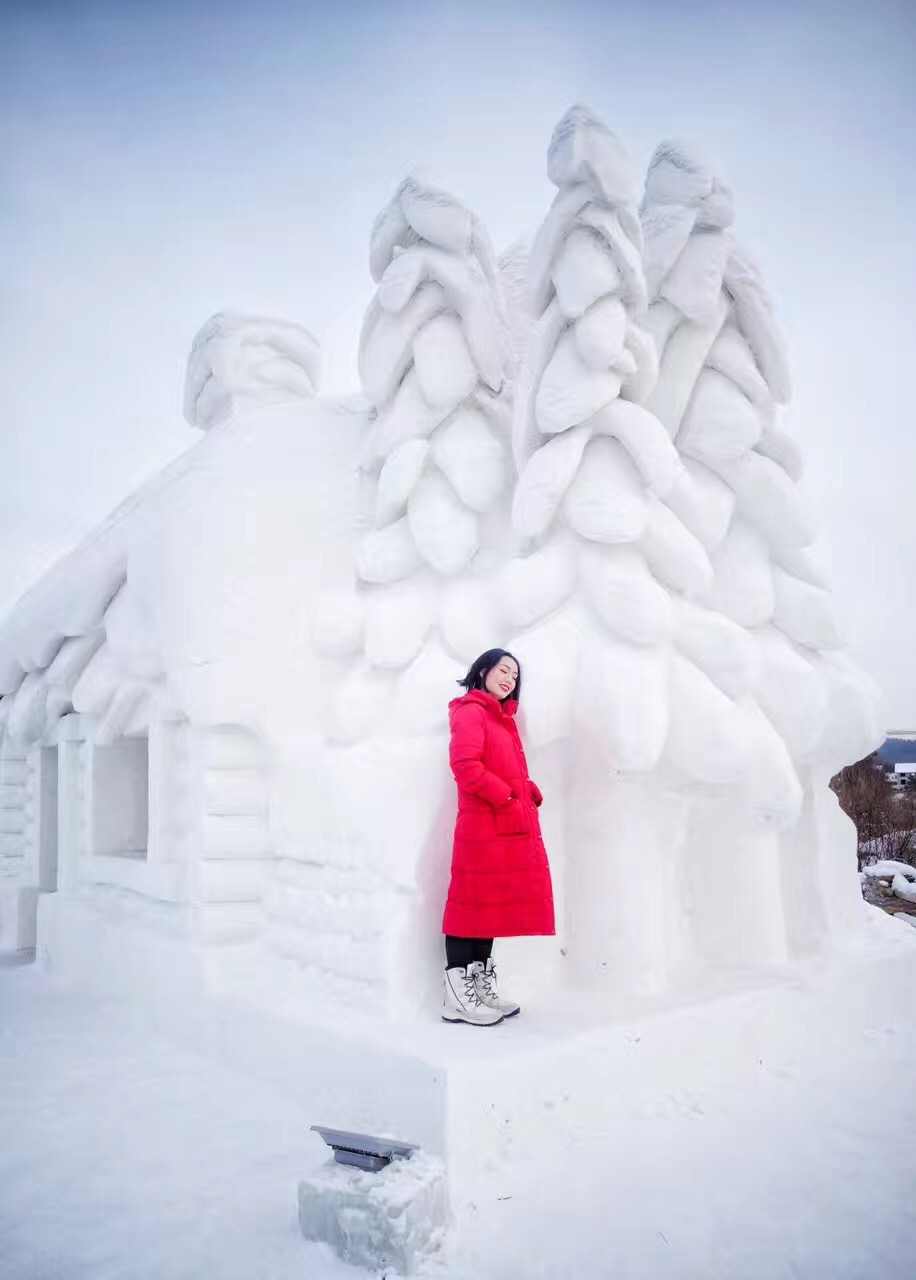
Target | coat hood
(507,707)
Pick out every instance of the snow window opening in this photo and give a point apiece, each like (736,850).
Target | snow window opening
(48,820)
(121,799)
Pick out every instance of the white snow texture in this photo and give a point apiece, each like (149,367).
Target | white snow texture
(588,470)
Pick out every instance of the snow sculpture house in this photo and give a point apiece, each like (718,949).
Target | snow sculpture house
(223,716)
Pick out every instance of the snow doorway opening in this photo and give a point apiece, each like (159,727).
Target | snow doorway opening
(120,799)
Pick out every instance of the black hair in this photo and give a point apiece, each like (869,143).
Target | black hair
(480,667)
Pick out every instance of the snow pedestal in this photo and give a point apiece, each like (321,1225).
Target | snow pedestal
(623,908)
(389,1220)
(17,919)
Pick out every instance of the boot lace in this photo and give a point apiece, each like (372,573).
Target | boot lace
(470,989)
(487,979)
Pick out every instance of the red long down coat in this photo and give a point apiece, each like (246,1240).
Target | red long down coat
(500,885)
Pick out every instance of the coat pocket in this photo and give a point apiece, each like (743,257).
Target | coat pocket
(511,819)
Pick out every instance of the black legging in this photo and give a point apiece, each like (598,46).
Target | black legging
(462,952)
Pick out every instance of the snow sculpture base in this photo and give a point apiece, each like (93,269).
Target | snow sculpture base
(387,1220)
(571,1064)
(17,919)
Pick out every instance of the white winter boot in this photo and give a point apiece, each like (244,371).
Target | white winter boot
(485,980)
(461,1001)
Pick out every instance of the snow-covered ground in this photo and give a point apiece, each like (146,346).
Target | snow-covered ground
(127,1157)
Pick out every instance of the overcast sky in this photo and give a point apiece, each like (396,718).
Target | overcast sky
(161,160)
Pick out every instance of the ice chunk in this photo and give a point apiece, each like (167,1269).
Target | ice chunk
(469,292)
(638,385)
(601,332)
(472,459)
(437,216)
(661,322)
(702,502)
(584,272)
(397,478)
(398,619)
(583,150)
(624,595)
(513,281)
(743,584)
(470,615)
(680,364)
(625,253)
(673,554)
(754,317)
(386,341)
(385,555)
(533,586)
(607,500)
(720,424)
(791,693)
(732,357)
(678,174)
(719,647)
(545,479)
(543,340)
(445,370)
(561,216)
(695,279)
(444,531)
(408,417)
(571,391)
(782,449)
(666,230)
(804,612)
(768,498)
(804,563)
(419,210)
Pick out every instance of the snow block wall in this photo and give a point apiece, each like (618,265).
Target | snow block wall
(230,703)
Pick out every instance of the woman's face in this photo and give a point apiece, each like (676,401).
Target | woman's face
(502,679)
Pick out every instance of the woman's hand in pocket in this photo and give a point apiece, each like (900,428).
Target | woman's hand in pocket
(511,818)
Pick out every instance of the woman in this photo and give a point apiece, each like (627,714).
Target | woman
(500,884)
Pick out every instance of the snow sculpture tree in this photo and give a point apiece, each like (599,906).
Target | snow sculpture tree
(610,557)
(777,650)
(432,362)
(655,501)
